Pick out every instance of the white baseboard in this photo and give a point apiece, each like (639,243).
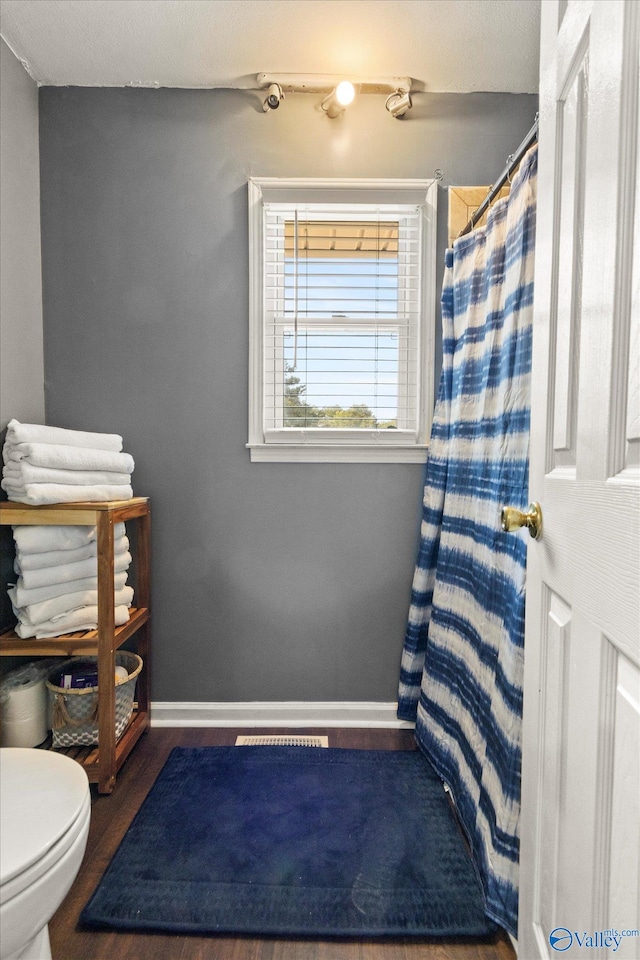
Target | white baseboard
(276,714)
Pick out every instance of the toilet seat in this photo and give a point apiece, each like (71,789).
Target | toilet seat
(46,803)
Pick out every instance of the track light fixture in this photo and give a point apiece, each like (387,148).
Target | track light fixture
(273,98)
(338,95)
(338,99)
(398,103)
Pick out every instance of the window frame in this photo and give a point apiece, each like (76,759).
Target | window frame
(375,446)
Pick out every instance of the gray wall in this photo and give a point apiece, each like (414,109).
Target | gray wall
(21,359)
(271,581)
(21,351)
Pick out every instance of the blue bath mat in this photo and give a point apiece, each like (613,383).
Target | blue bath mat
(293,841)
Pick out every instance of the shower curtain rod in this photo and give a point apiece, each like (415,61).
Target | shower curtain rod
(512,162)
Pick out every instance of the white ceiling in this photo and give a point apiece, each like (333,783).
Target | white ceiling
(455,46)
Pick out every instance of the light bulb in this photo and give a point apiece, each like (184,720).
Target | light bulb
(338,99)
(345,92)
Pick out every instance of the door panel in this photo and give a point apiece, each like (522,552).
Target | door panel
(624,890)
(572,122)
(555,657)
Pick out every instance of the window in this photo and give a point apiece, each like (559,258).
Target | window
(342,314)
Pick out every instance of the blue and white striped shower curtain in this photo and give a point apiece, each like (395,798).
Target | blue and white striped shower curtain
(462,663)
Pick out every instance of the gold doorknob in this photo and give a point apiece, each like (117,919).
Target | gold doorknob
(513,519)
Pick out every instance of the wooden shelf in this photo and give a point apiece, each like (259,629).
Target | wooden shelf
(69,644)
(103,761)
(89,757)
(72,514)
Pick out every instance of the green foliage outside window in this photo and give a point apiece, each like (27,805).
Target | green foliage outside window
(298,413)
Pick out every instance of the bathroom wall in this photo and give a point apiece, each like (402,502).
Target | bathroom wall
(270,581)
(21,350)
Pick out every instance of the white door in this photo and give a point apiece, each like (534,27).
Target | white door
(580,853)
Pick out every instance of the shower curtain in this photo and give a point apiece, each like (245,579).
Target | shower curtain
(461,671)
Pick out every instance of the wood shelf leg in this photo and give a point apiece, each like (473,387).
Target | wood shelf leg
(106,656)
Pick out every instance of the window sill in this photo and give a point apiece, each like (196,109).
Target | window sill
(330,453)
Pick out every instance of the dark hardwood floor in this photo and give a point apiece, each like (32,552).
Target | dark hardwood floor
(110,818)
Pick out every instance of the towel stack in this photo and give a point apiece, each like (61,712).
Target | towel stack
(53,465)
(57,587)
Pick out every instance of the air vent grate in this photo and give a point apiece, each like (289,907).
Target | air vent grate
(282,741)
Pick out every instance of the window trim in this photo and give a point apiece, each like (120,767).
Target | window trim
(303,190)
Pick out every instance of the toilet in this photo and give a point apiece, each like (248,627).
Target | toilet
(45,808)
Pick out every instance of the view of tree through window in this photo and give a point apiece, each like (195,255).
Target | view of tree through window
(299,413)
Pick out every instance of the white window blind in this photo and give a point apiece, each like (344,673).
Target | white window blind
(342,325)
(342,298)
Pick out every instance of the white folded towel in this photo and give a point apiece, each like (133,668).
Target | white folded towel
(65,572)
(36,561)
(37,494)
(21,472)
(61,457)
(35,613)
(22,596)
(37,433)
(85,618)
(39,539)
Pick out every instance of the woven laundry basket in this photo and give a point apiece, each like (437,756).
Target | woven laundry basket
(74,713)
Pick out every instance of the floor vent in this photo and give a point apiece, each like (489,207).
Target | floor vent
(282,741)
